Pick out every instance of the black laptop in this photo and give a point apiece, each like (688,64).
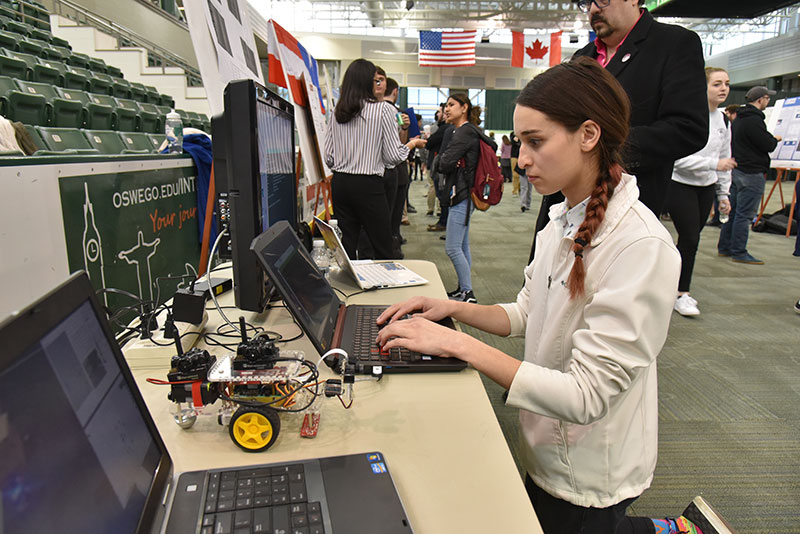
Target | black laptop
(327,321)
(79,451)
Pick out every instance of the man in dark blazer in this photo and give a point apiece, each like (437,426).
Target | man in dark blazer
(661,67)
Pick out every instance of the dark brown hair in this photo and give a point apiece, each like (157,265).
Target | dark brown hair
(473,112)
(570,94)
(356,89)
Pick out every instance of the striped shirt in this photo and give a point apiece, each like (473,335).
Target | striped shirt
(368,144)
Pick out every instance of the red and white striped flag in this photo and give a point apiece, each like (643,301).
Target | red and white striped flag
(535,50)
(447,49)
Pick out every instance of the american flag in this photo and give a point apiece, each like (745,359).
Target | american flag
(447,49)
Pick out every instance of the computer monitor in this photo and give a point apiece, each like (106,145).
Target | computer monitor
(257,152)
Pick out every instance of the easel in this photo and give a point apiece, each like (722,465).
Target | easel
(782,172)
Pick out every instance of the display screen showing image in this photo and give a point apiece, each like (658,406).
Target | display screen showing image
(276,166)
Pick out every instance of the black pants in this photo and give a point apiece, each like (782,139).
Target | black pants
(443,194)
(401,194)
(688,205)
(359,202)
(561,517)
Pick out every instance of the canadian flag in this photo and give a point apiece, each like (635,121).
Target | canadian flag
(530,51)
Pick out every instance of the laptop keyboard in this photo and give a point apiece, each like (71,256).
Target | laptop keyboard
(378,274)
(364,346)
(264,500)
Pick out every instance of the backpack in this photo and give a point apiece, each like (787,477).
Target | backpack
(487,190)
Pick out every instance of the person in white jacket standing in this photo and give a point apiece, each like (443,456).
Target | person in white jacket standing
(594,311)
(696,179)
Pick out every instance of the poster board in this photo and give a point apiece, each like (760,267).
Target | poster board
(784,121)
(224,45)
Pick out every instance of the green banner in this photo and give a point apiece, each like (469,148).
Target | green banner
(129,229)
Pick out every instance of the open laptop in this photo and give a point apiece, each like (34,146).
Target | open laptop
(325,319)
(368,274)
(79,451)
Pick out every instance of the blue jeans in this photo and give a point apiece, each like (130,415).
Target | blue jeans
(525,192)
(746,191)
(457,242)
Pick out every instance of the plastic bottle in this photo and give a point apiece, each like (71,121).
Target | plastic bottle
(320,256)
(334,265)
(723,217)
(173,128)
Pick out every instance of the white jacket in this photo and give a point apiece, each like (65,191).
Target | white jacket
(700,169)
(587,389)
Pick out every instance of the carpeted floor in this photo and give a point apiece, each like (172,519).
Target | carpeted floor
(729,379)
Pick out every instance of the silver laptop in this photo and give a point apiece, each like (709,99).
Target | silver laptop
(368,274)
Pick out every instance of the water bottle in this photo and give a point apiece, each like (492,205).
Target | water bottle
(334,265)
(173,128)
(723,217)
(320,256)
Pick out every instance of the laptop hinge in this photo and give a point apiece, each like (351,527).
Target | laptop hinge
(339,330)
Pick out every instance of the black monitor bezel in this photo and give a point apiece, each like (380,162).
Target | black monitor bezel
(250,283)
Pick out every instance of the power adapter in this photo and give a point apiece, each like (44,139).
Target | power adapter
(218,286)
(188,306)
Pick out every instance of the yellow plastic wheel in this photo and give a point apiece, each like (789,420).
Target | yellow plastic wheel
(254,429)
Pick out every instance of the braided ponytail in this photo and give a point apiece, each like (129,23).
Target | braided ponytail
(595,213)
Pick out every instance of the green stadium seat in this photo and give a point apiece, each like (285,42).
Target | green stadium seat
(146,120)
(156,140)
(8,40)
(78,59)
(37,71)
(58,41)
(159,117)
(16,105)
(76,78)
(36,136)
(62,112)
(124,119)
(96,116)
(13,67)
(101,83)
(167,100)
(7,13)
(152,96)
(31,46)
(105,141)
(42,35)
(97,65)
(120,87)
(17,27)
(136,142)
(114,72)
(195,120)
(65,139)
(138,92)
(59,66)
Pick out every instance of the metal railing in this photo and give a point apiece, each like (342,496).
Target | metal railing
(157,56)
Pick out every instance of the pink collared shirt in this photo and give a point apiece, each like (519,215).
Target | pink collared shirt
(602,51)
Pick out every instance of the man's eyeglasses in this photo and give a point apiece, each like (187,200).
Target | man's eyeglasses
(586,5)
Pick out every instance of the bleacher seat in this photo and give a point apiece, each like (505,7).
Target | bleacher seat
(101,83)
(146,120)
(31,46)
(156,140)
(152,96)
(136,142)
(124,119)
(114,72)
(167,100)
(138,92)
(78,59)
(120,87)
(96,116)
(8,40)
(97,65)
(36,71)
(76,78)
(16,105)
(159,117)
(36,136)
(61,139)
(58,41)
(16,26)
(61,112)
(105,141)
(12,66)
(42,35)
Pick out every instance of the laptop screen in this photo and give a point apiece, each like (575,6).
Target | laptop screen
(304,289)
(76,454)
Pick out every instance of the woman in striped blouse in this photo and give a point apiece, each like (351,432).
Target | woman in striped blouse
(362,140)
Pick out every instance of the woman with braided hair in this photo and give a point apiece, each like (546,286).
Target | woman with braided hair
(594,311)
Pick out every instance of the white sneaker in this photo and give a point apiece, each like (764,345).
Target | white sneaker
(691,299)
(686,307)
